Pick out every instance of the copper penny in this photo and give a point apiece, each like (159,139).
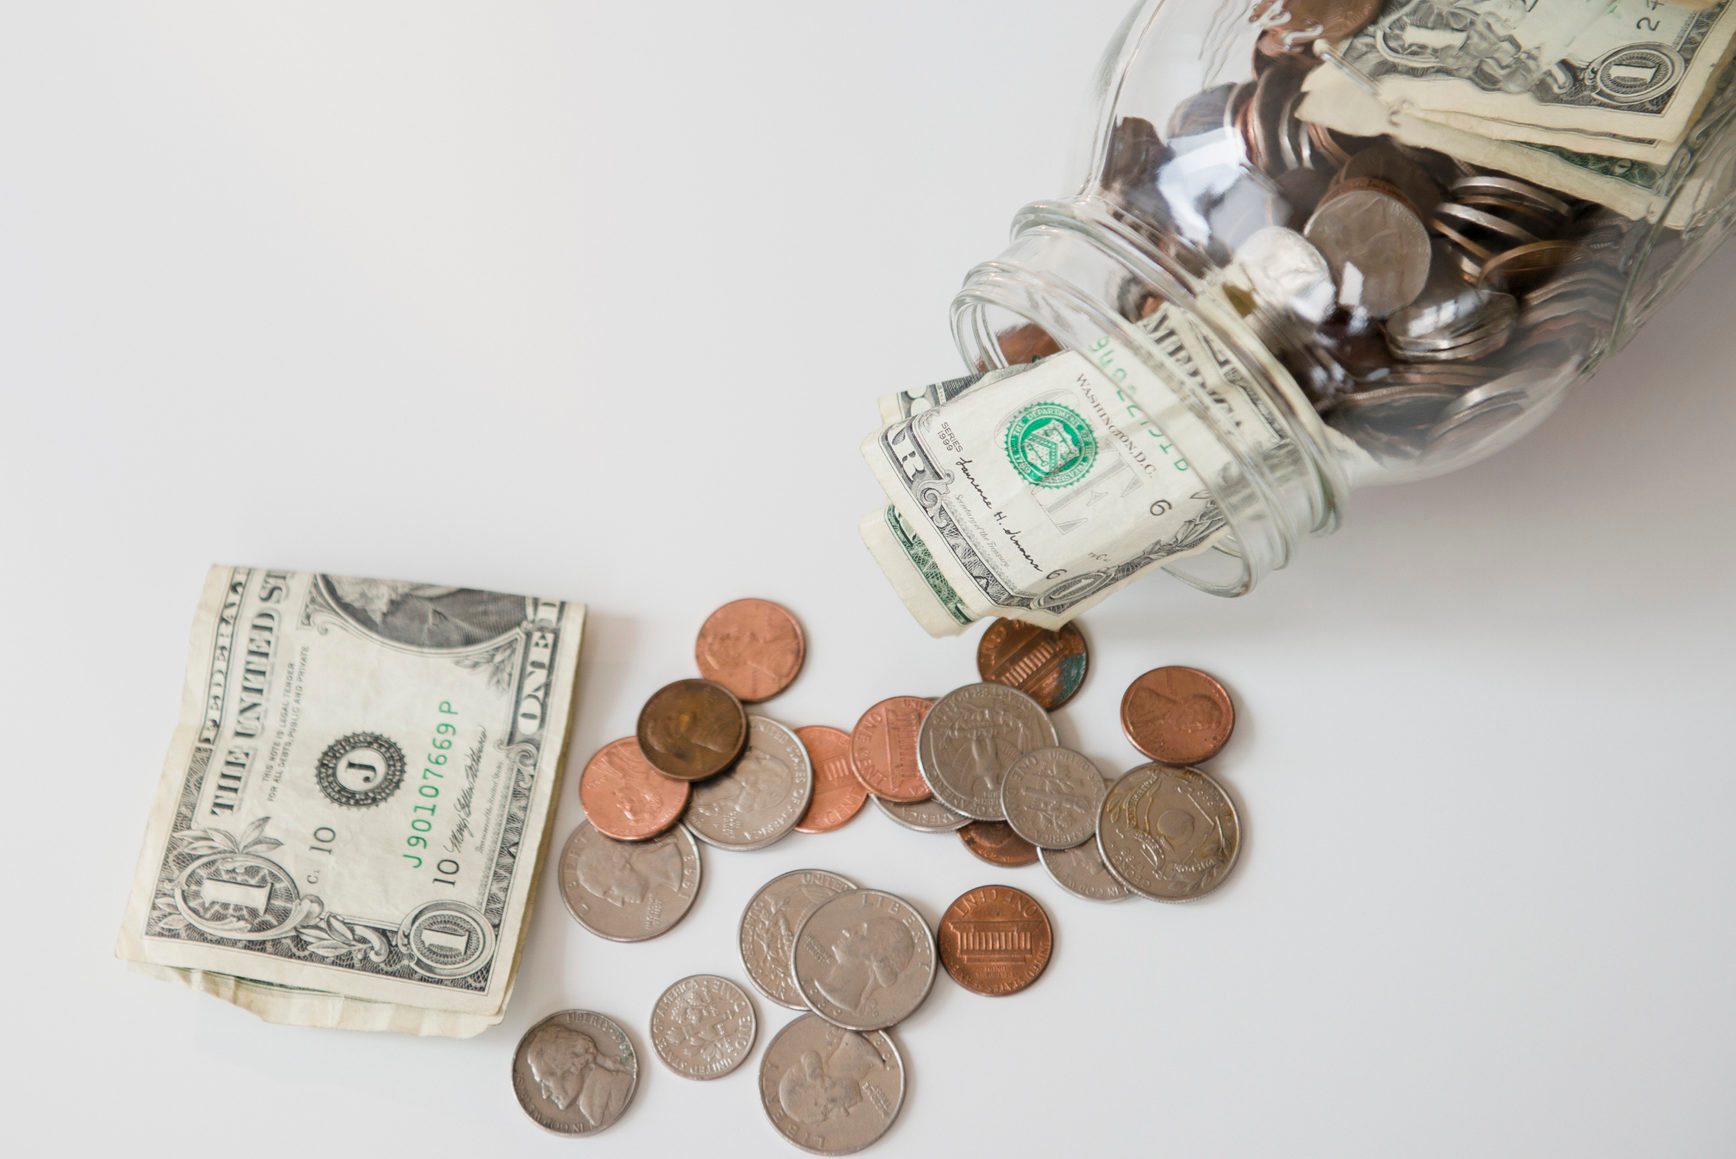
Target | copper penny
(838,793)
(625,798)
(1177,716)
(692,729)
(996,843)
(883,749)
(1323,19)
(1046,666)
(995,940)
(754,648)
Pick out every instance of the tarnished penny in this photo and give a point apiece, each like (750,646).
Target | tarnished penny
(1169,834)
(883,749)
(996,843)
(575,1072)
(1045,665)
(838,793)
(703,1026)
(754,648)
(995,940)
(692,729)
(1177,715)
(627,799)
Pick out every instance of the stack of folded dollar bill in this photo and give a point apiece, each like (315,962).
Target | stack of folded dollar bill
(352,813)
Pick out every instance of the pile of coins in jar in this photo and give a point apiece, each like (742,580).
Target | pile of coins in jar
(1418,299)
(981,762)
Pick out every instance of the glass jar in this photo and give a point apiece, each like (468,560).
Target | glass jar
(1314,246)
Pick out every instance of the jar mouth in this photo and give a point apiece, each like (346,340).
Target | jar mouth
(1069,270)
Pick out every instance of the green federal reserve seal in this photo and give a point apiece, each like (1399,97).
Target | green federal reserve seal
(1050,445)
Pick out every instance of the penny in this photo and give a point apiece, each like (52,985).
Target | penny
(754,648)
(996,843)
(692,729)
(1177,715)
(995,940)
(970,738)
(628,891)
(838,792)
(1048,666)
(1025,343)
(1081,872)
(761,798)
(1376,246)
(864,960)
(575,1072)
(1526,267)
(1330,20)
(1051,797)
(627,799)
(928,816)
(703,1026)
(883,749)
(828,1090)
(1168,834)
(769,925)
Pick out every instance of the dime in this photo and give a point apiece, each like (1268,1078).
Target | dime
(761,798)
(1081,872)
(1177,715)
(1168,834)
(754,648)
(883,749)
(703,1026)
(769,925)
(1051,797)
(863,960)
(928,816)
(1376,245)
(627,799)
(574,1072)
(996,843)
(969,739)
(995,940)
(1048,666)
(838,792)
(629,891)
(692,729)
(828,1090)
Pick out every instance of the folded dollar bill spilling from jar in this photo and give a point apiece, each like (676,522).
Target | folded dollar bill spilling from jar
(1380,256)
(352,812)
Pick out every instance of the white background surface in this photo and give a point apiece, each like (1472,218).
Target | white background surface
(594,300)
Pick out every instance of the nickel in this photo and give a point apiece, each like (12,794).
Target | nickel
(575,1072)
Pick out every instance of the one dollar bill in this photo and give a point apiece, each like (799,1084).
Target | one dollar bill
(354,805)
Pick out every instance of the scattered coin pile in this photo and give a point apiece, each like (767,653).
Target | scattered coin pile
(1417,298)
(981,761)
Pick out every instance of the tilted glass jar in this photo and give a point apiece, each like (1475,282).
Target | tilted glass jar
(1317,246)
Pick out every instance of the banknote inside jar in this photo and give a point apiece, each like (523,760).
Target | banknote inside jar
(1400,227)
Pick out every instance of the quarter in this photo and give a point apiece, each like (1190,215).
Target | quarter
(629,891)
(864,960)
(971,737)
(769,925)
(828,1090)
(1169,834)
(761,798)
